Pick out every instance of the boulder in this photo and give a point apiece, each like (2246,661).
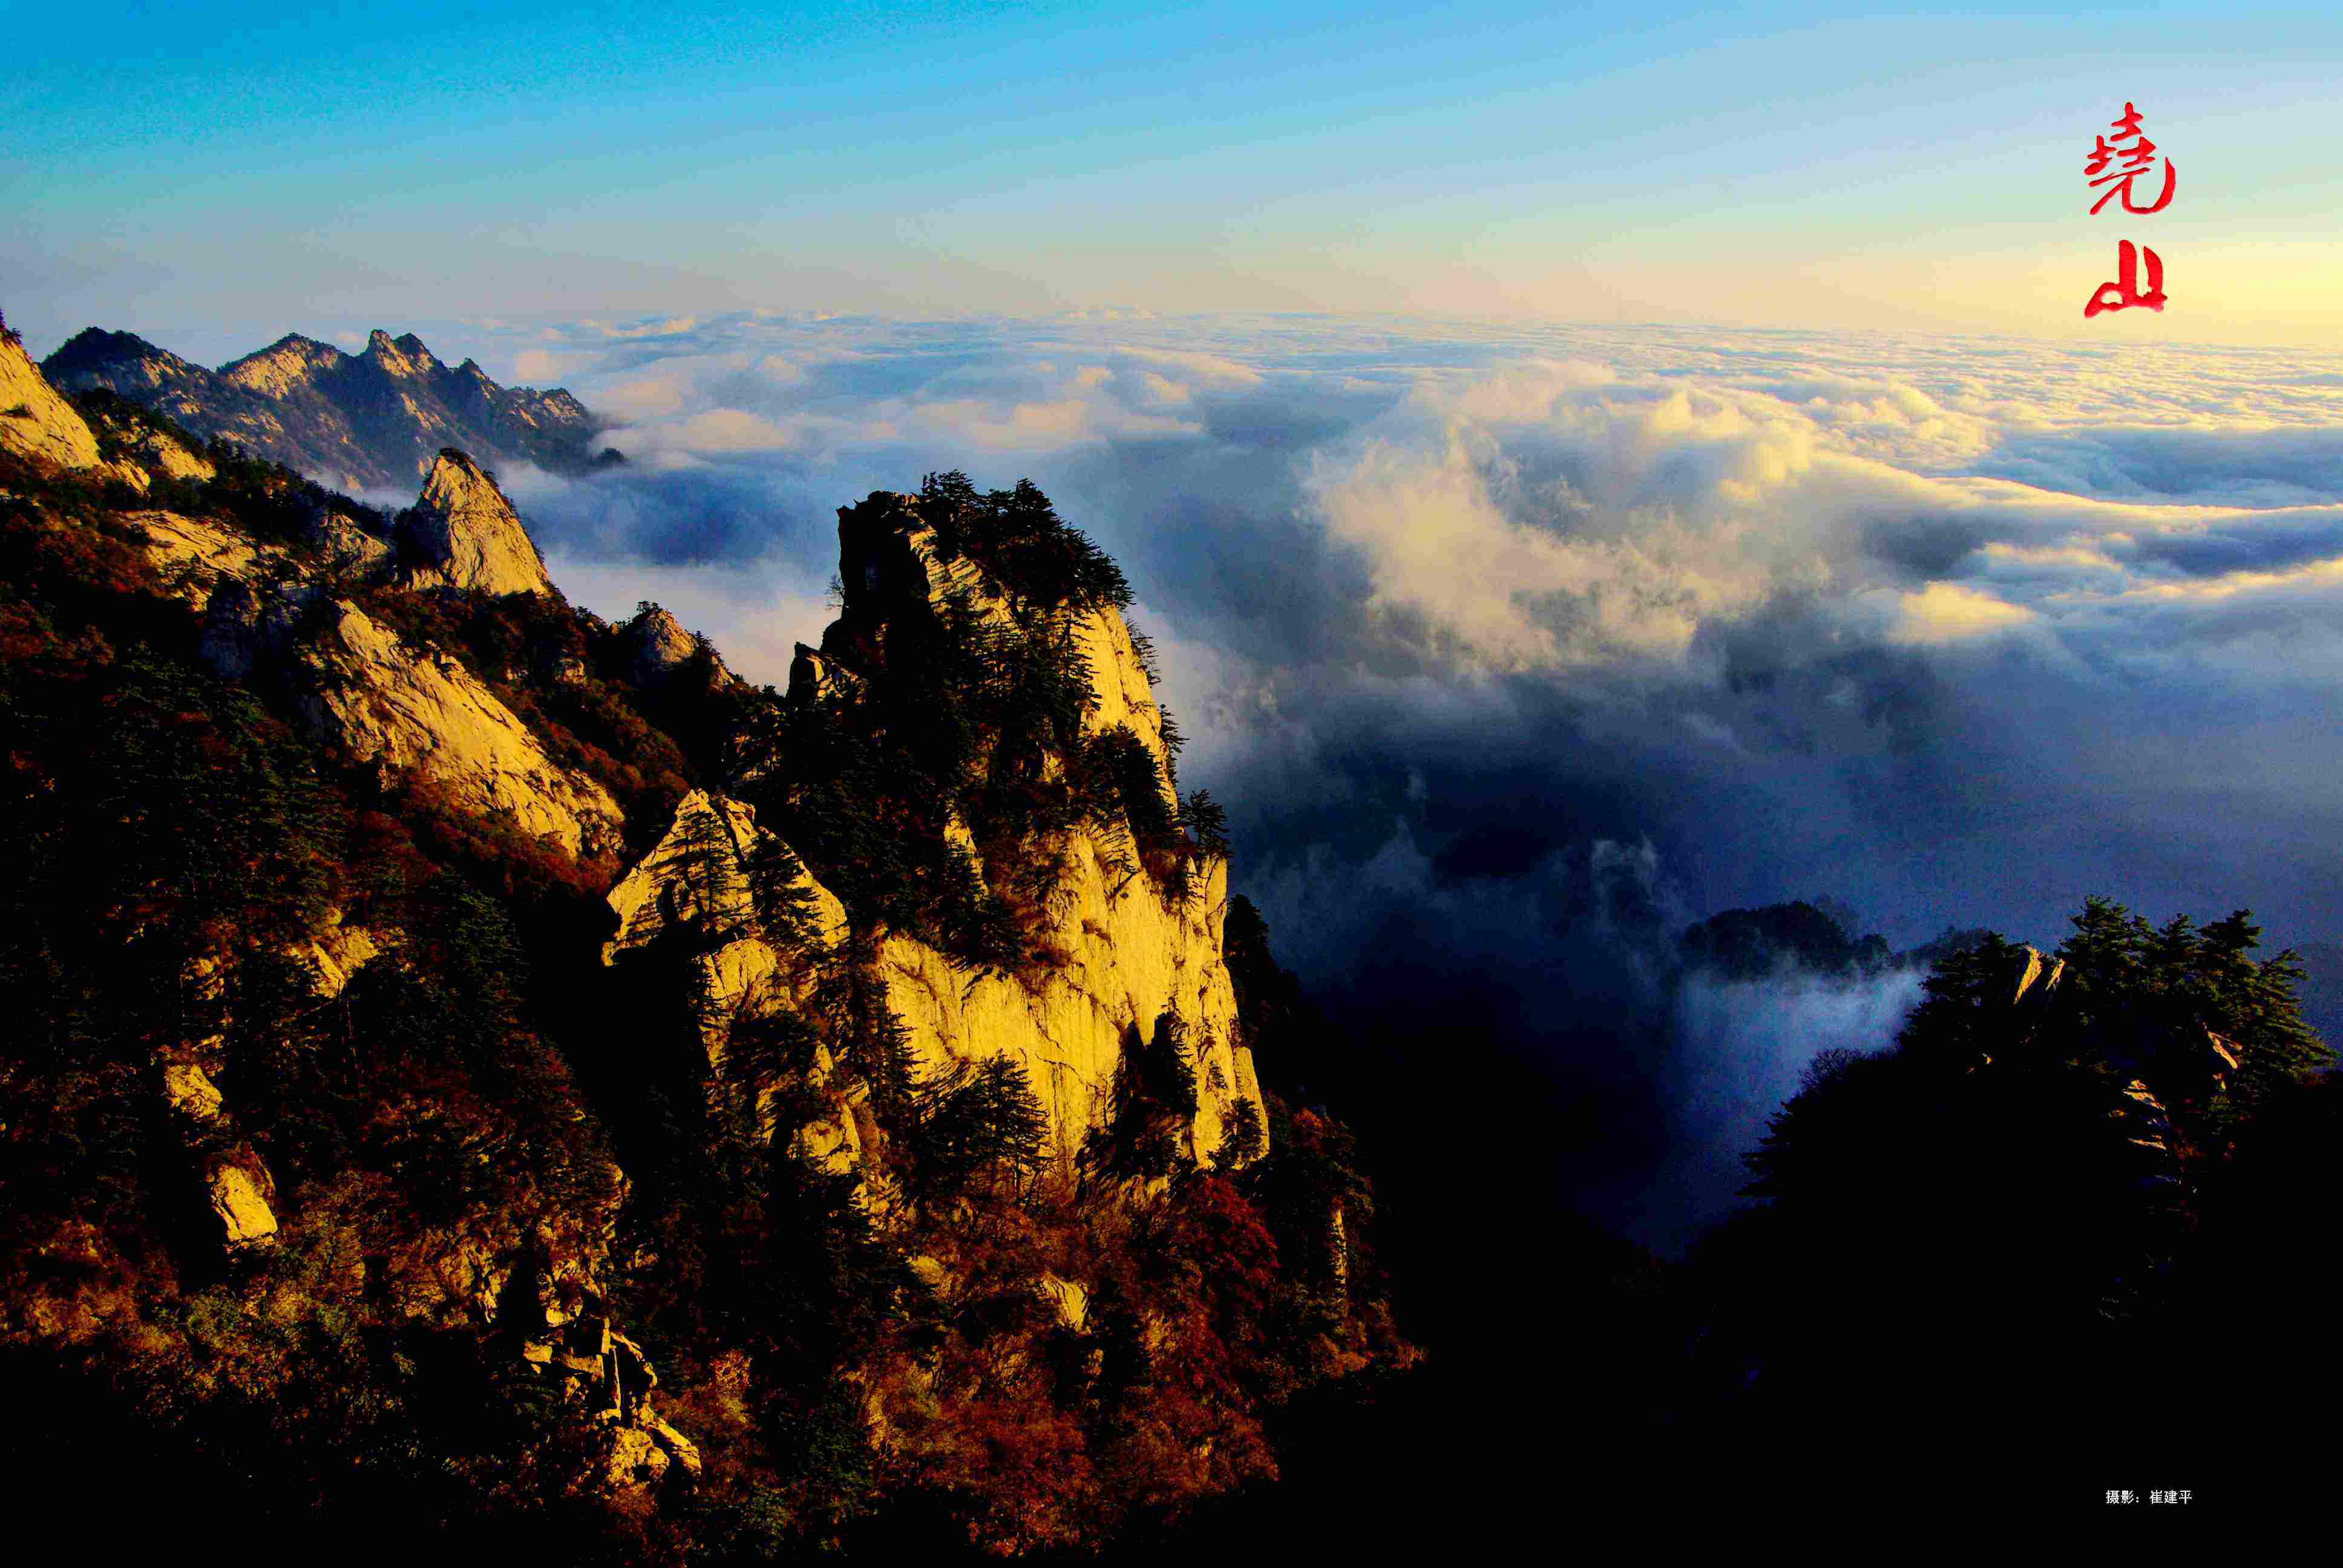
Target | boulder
(636,1462)
(240,1201)
(679,1447)
(189,1090)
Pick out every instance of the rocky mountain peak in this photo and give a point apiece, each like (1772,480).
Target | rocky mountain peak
(290,363)
(96,358)
(311,407)
(463,533)
(403,357)
(892,563)
(659,645)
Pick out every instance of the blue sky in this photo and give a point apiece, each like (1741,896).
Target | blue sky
(226,173)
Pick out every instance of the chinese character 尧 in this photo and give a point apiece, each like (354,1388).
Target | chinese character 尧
(2135,161)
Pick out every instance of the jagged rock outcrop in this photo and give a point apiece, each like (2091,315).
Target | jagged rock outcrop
(1131,956)
(659,647)
(400,709)
(346,548)
(195,556)
(189,1090)
(35,423)
(462,534)
(2037,980)
(698,881)
(889,565)
(588,1361)
(239,1199)
(423,714)
(1130,962)
(373,419)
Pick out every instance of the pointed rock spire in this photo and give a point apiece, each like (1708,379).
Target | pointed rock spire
(463,533)
(400,357)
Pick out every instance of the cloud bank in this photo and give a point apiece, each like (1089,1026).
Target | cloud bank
(1468,623)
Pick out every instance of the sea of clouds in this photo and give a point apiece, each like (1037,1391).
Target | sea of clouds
(1512,650)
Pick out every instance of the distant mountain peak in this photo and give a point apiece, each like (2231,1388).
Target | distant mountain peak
(291,362)
(94,346)
(311,407)
(402,357)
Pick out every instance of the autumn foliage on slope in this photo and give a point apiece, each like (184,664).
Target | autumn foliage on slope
(1025,1354)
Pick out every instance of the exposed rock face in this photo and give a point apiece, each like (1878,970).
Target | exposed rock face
(406,710)
(1068,1301)
(2037,979)
(1131,959)
(349,550)
(35,422)
(339,951)
(463,533)
(592,1363)
(889,565)
(241,1204)
(424,714)
(195,556)
(696,878)
(658,648)
(401,709)
(679,883)
(290,365)
(1132,962)
(189,1090)
(352,421)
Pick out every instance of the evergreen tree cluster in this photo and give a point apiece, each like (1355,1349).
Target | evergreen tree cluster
(933,785)
(1018,538)
(2028,1200)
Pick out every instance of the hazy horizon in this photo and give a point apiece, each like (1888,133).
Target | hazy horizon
(1821,165)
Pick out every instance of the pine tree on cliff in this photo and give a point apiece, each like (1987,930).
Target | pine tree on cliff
(2030,1191)
(974,1123)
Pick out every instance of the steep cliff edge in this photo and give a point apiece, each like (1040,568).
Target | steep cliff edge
(442,1007)
(36,424)
(1113,953)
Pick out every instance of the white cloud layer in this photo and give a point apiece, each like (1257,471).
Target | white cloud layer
(1831,562)
(1957,629)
